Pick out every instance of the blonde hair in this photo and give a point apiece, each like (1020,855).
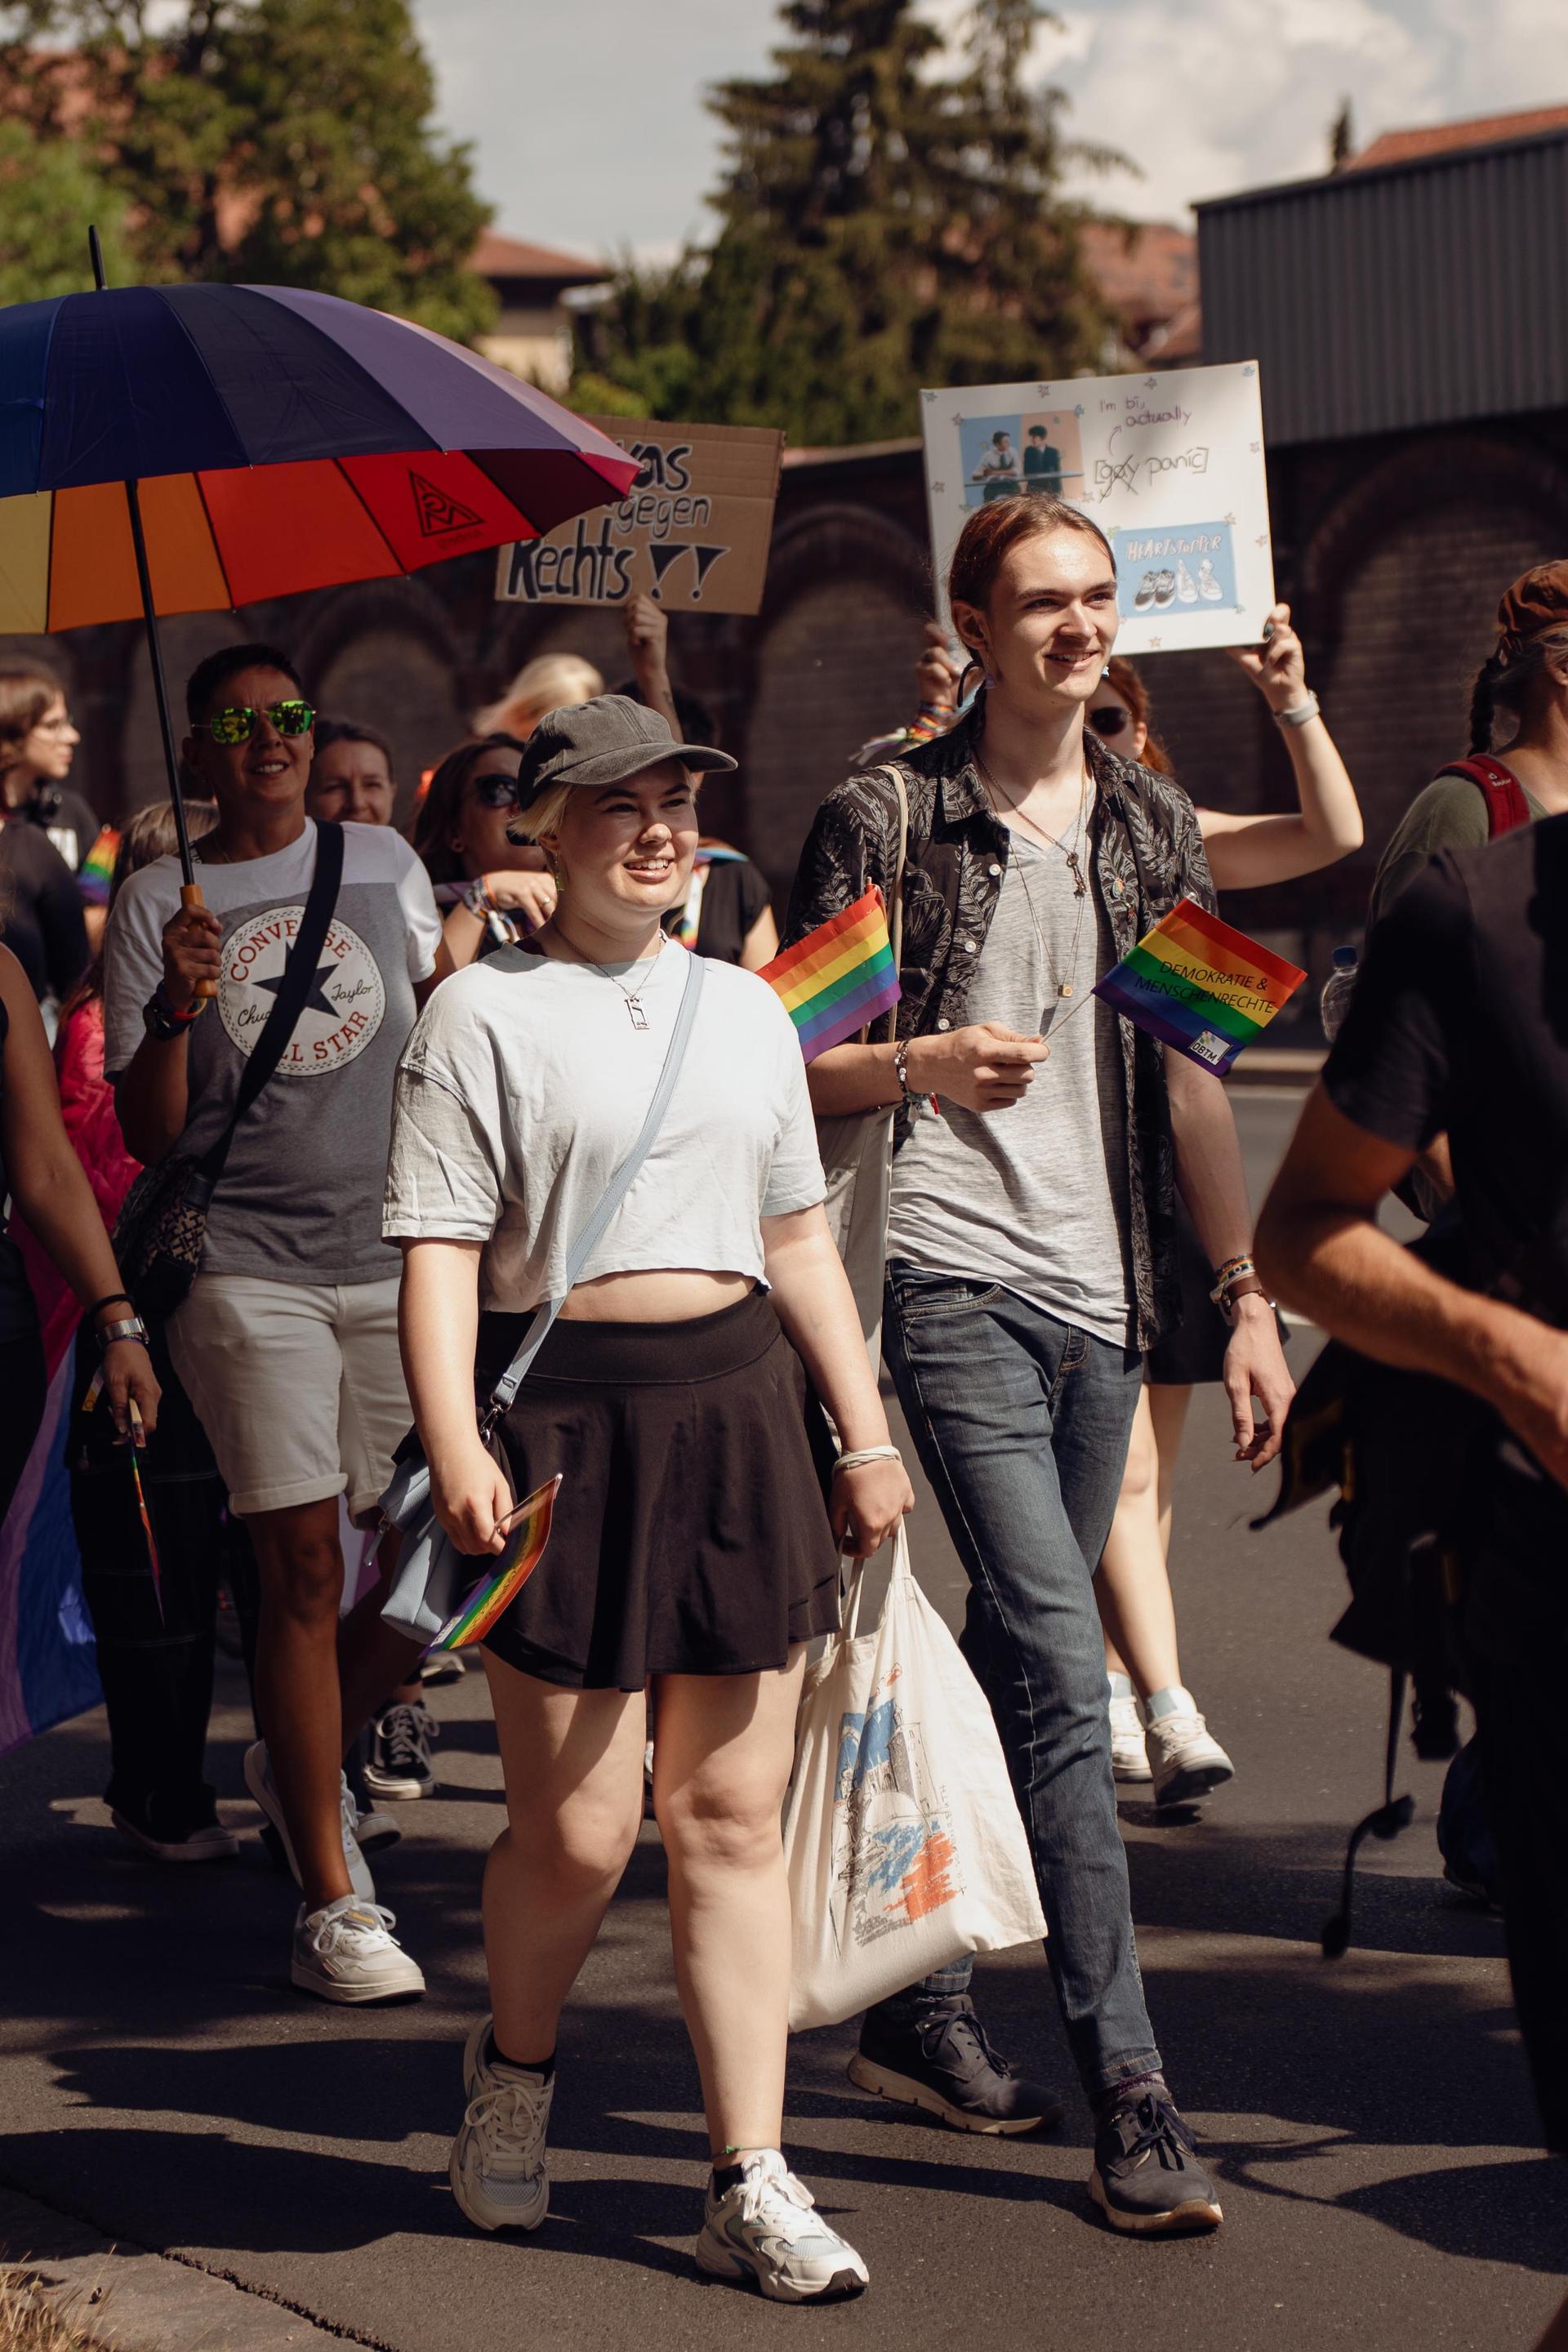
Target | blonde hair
(542,816)
(552,682)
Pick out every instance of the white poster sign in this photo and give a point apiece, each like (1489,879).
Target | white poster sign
(1169,466)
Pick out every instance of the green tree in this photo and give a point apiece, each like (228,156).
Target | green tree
(890,215)
(49,194)
(278,141)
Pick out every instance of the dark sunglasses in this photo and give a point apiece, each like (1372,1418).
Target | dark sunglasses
(497,791)
(239,724)
(1110,718)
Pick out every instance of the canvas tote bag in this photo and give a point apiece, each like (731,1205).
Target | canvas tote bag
(902,1841)
(857,1149)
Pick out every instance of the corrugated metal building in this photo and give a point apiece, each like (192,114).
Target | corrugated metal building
(1422,293)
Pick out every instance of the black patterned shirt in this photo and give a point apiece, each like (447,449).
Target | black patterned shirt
(1147,853)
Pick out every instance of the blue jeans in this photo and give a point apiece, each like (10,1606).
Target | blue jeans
(1022,1424)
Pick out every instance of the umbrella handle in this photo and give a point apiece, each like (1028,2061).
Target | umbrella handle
(191,896)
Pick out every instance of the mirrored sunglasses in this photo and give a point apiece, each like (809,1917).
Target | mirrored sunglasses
(239,724)
(1110,718)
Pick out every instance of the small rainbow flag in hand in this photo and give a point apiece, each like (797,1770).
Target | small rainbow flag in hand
(97,870)
(1197,985)
(524,1548)
(840,977)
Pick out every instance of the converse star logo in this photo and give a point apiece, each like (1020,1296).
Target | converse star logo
(438,512)
(344,1005)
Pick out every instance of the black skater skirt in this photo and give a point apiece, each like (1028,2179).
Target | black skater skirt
(689,1535)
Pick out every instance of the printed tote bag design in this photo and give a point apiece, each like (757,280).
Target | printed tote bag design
(902,1840)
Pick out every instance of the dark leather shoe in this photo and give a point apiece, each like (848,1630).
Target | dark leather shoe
(1147,2179)
(942,2060)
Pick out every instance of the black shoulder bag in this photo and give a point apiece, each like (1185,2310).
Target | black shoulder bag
(159,1231)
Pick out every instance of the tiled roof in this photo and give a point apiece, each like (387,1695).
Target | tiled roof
(1451,138)
(1149,274)
(509,256)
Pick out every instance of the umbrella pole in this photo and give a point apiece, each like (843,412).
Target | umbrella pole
(190,894)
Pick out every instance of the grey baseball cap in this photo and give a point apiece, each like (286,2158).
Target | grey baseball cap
(602,742)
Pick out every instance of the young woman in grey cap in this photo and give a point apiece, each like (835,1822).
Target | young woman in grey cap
(690,1548)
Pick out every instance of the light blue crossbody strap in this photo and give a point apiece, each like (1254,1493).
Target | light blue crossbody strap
(616,1191)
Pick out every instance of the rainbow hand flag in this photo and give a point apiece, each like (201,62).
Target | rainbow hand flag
(839,978)
(97,870)
(524,1550)
(1197,985)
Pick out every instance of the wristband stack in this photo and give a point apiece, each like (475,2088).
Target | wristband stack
(1236,1278)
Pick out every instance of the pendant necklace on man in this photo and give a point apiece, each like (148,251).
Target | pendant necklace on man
(1069,850)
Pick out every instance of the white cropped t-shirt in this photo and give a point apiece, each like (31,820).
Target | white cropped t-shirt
(524,1085)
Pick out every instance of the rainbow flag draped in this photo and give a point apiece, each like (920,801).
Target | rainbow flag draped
(516,1564)
(840,977)
(1198,985)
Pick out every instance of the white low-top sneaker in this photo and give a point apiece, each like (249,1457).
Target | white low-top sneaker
(259,1780)
(499,2170)
(347,1952)
(1129,1756)
(765,2231)
(1187,1759)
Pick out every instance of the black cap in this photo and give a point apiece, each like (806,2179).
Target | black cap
(602,742)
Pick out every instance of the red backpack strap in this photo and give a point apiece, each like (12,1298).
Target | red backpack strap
(1499,788)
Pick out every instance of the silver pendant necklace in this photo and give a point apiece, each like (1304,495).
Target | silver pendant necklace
(634,1010)
(1069,850)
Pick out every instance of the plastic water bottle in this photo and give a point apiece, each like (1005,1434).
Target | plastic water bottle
(1338,990)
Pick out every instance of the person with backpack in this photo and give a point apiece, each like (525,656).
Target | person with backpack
(1459,1027)
(1030,1262)
(1473,800)
(286,1340)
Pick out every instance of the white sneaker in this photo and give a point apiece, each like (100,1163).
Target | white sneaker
(347,1952)
(1188,1760)
(259,1780)
(499,2170)
(1186,586)
(1209,588)
(766,2231)
(1129,1756)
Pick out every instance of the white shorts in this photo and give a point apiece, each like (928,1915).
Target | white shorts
(298,1385)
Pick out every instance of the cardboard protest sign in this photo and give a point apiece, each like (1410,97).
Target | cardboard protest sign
(1169,466)
(693,529)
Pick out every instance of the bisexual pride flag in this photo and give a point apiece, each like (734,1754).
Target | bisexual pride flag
(839,978)
(1197,985)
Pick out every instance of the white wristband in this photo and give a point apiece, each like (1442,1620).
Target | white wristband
(866,1453)
(1301,714)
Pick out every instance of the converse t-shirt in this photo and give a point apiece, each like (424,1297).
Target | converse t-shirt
(300,1195)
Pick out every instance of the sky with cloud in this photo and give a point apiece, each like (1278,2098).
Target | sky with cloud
(590,133)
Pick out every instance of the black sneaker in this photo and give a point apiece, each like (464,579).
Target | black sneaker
(399,1763)
(941,2061)
(1146,2177)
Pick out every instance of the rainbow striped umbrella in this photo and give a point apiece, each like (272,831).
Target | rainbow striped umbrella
(190,449)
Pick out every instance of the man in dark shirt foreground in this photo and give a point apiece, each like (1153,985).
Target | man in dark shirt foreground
(1461,1024)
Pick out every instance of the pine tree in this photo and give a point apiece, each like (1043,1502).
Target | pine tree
(883,225)
(274,141)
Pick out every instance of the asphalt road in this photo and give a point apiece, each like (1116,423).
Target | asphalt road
(1371,2120)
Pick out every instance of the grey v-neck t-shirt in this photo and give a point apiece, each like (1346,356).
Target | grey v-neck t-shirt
(1033,1197)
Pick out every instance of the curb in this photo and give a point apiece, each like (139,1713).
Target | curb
(129,2299)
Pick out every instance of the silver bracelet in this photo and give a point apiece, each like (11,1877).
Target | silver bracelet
(1301,714)
(866,1454)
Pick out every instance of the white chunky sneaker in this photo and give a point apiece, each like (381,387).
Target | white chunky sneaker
(765,2231)
(1187,1759)
(347,1952)
(499,2170)
(1129,1756)
(259,1780)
